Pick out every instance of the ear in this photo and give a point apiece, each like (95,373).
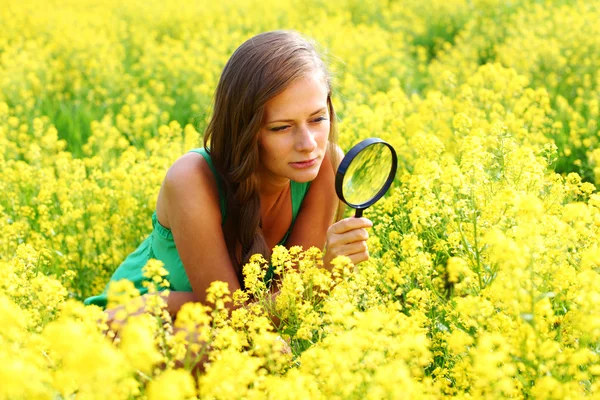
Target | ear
(259,137)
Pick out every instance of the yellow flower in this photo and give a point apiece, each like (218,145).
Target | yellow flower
(230,375)
(138,342)
(482,280)
(155,271)
(173,384)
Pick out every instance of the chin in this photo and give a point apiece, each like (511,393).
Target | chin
(304,178)
(306,175)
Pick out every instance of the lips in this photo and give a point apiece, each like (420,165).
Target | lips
(304,164)
(305,161)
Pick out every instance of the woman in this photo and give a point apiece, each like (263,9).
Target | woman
(264,177)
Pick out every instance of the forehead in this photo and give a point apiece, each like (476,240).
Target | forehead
(301,98)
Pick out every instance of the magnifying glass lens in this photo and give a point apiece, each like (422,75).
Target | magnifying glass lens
(366,173)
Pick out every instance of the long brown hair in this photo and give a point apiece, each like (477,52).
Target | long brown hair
(258,70)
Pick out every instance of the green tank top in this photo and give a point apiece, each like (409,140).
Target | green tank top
(161,246)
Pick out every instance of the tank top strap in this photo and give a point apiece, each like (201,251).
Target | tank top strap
(220,187)
(298,192)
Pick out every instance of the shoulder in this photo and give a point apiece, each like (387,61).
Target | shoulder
(190,166)
(190,182)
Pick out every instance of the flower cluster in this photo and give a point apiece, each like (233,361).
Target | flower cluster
(484,276)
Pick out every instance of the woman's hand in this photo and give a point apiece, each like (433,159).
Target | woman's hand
(116,317)
(347,237)
(113,324)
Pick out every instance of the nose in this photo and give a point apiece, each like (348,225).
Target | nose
(305,139)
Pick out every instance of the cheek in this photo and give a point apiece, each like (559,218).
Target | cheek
(324,132)
(270,150)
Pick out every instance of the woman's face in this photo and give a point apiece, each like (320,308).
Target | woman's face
(293,137)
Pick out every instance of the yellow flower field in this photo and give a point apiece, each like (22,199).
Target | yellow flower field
(484,277)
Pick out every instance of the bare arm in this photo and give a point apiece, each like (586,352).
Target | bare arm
(190,208)
(191,201)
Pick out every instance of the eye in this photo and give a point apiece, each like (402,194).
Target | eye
(279,128)
(320,119)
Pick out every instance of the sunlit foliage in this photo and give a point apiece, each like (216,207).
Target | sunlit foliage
(484,277)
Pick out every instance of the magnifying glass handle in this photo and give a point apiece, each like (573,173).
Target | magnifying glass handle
(358,213)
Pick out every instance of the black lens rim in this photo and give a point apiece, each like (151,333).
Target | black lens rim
(347,160)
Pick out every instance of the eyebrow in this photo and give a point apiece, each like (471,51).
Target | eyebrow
(291,120)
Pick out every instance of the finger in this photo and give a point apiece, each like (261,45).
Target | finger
(354,248)
(359,257)
(110,334)
(356,235)
(115,335)
(357,252)
(349,224)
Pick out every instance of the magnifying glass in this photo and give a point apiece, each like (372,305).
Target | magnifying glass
(366,173)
